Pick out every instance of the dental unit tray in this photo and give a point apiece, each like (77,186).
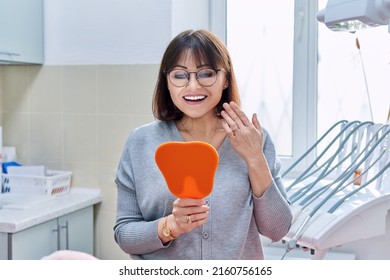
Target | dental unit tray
(344,194)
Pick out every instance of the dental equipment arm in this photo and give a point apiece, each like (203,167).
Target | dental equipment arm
(347,174)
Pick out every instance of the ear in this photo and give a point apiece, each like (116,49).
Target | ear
(226,84)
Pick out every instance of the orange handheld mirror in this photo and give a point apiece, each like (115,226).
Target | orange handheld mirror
(188,167)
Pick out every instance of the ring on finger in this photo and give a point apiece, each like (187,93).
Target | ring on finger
(235,130)
(189,221)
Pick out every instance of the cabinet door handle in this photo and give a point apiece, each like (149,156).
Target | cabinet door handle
(58,231)
(66,227)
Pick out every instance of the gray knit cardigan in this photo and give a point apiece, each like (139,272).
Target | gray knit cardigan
(236,217)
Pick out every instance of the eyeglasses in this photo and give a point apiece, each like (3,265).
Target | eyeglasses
(206,77)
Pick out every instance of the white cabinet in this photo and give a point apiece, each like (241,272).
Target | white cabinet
(76,231)
(73,231)
(21,32)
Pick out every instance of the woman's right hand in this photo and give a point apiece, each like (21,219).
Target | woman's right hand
(187,214)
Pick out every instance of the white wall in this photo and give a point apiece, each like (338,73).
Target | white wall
(94,32)
(187,14)
(106,31)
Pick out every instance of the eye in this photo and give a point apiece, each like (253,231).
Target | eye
(206,73)
(179,74)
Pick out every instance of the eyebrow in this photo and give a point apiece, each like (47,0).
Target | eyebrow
(199,66)
(181,66)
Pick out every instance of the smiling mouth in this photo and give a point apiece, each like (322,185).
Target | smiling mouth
(195,98)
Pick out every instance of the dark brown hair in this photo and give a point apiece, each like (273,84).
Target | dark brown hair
(206,49)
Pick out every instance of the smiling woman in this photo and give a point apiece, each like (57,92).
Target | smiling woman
(196,99)
(205,53)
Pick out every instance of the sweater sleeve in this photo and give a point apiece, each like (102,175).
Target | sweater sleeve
(272,213)
(272,210)
(132,232)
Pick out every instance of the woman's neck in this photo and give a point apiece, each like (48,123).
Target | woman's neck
(201,129)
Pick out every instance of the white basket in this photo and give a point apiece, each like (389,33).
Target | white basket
(56,182)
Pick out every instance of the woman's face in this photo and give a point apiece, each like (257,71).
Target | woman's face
(193,99)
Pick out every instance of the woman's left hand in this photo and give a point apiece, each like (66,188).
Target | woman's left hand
(245,136)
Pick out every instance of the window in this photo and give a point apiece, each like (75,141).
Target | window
(274,49)
(353,73)
(261,45)
(301,77)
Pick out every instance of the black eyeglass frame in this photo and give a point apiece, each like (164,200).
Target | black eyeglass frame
(167,73)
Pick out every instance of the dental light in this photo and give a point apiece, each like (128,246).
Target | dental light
(352,15)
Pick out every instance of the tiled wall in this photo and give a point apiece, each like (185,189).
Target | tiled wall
(77,118)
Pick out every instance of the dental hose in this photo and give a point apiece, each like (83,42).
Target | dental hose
(293,242)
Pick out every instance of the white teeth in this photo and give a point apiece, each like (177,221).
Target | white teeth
(194,98)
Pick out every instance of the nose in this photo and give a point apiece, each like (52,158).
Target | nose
(192,80)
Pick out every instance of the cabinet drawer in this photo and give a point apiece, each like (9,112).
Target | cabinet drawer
(73,231)
(33,243)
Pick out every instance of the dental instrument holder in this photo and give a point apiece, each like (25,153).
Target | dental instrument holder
(344,212)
